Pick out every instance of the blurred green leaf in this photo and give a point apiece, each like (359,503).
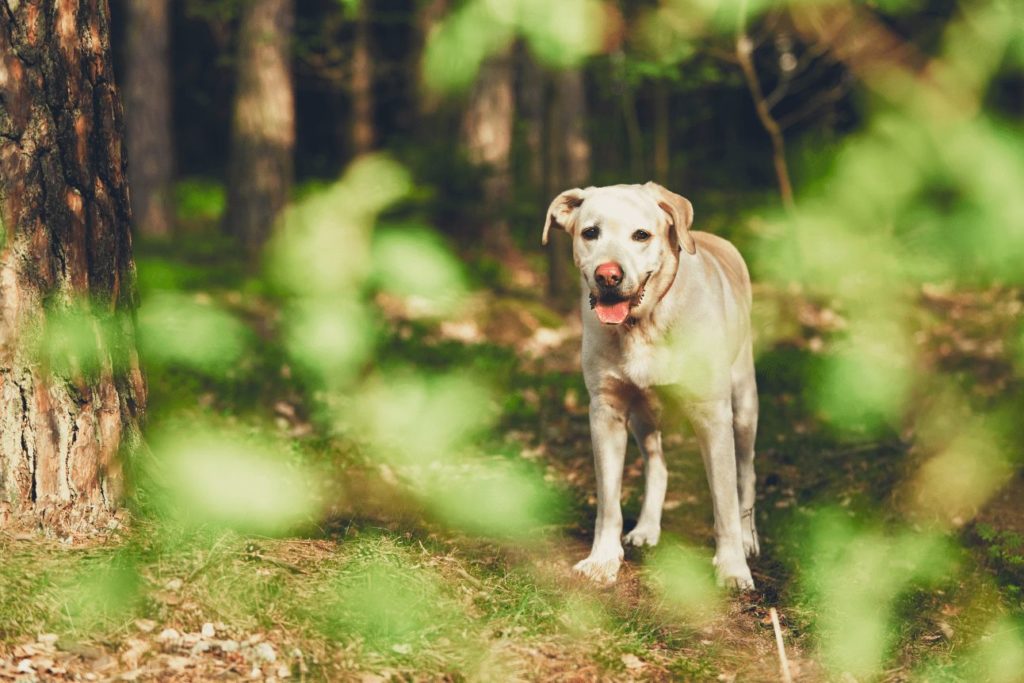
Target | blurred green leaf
(411,262)
(187,331)
(684,580)
(217,476)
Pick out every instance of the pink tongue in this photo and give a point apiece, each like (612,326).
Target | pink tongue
(612,314)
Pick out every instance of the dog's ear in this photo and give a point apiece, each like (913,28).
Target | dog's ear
(562,212)
(680,213)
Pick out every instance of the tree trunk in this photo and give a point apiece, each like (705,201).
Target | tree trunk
(662,139)
(568,166)
(263,123)
(71,394)
(363,135)
(487,134)
(627,98)
(148,113)
(532,103)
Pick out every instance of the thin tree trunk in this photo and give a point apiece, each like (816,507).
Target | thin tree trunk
(744,55)
(263,124)
(68,413)
(487,134)
(148,115)
(634,136)
(569,166)
(363,134)
(662,139)
(532,100)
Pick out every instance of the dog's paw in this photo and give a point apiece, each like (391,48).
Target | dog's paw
(733,575)
(600,570)
(643,535)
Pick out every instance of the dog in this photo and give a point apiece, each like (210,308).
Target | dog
(666,313)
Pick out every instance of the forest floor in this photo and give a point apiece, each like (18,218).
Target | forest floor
(381,591)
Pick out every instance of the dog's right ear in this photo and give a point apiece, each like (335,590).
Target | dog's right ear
(562,212)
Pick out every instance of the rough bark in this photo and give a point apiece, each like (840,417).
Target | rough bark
(568,165)
(66,416)
(363,133)
(263,125)
(148,112)
(487,135)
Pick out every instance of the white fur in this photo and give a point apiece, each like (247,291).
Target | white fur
(690,336)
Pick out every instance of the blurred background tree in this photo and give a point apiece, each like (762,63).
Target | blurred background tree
(147,99)
(260,161)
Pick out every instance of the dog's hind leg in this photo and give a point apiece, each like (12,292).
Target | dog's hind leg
(744,422)
(645,430)
(712,425)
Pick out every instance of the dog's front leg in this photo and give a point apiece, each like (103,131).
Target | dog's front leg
(712,423)
(608,432)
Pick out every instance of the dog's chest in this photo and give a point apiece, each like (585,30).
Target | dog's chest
(646,363)
(693,367)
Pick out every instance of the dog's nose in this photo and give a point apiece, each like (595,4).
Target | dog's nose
(608,274)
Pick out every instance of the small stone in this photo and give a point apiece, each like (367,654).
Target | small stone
(174,585)
(169,635)
(228,645)
(631,661)
(208,630)
(283,671)
(265,652)
(25,666)
(402,648)
(178,664)
(145,625)
(47,638)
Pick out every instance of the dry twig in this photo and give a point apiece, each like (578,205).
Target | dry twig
(783,661)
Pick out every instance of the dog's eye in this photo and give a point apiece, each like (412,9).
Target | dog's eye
(591,233)
(641,236)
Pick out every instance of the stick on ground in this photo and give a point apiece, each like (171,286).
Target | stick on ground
(783,661)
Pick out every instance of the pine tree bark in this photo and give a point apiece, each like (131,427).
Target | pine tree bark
(148,111)
(67,416)
(487,135)
(363,133)
(260,167)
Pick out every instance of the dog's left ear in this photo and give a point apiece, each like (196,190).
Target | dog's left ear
(562,212)
(680,213)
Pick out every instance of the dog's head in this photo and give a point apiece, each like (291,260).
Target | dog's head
(624,237)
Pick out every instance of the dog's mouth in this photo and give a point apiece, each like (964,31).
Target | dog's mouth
(612,308)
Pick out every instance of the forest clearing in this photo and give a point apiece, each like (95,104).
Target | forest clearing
(289,389)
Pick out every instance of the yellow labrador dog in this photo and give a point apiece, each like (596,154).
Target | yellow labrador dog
(665,308)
